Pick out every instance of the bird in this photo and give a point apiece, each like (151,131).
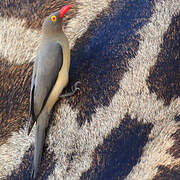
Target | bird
(50,76)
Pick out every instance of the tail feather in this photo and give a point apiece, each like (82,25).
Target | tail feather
(42,124)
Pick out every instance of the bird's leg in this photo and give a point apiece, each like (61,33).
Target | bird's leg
(74,88)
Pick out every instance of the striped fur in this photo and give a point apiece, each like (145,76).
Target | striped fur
(124,122)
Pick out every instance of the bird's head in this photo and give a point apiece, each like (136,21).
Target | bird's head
(53,23)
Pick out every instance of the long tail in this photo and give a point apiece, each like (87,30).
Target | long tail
(42,123)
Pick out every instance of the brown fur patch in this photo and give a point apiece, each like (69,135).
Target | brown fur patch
(164,78)
(175,149)
(168,173)
(35,12)
(120,151)
(14,97)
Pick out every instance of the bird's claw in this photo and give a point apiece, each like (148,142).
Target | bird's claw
(74,88)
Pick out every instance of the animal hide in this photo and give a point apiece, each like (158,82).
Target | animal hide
(124,123)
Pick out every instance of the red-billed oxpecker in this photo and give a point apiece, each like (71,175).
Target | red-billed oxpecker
(50,76)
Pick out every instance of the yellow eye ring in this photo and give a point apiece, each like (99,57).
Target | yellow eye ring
(53,18)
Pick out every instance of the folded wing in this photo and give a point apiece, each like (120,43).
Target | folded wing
(46,68)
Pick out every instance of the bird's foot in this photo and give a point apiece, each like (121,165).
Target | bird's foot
(74,89)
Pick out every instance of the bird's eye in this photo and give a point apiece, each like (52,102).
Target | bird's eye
(53,18)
